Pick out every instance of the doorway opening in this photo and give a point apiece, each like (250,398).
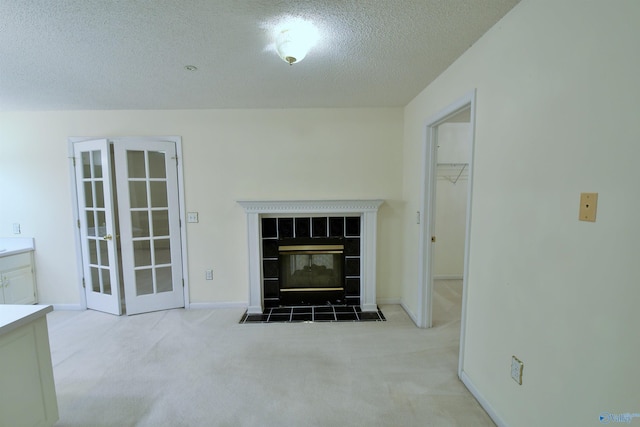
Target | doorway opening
(445,230)
(452,177)
(129,211)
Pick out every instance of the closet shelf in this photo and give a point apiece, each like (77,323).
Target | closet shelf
(452,172)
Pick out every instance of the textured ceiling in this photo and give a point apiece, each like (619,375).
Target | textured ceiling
(131,54)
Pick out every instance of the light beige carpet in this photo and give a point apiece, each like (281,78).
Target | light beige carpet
(203,368)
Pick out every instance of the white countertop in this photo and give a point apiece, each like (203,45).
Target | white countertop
(15,245)
(14,316)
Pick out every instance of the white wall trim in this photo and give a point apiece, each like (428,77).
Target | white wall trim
(68,307)
(425,256)
(368,211)
(217,305)
(310,206)
(389,301)
(76,218)
(427,190)
(481,400)
(448,277)
(410,313)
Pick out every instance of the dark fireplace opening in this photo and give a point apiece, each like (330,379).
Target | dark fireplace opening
(311,270)
(291,277)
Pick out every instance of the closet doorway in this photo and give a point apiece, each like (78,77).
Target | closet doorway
(129,209)
(461,110)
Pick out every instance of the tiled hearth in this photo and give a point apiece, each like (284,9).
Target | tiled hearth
(354,221)
(317,313)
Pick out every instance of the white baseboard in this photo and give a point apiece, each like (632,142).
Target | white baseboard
(447,277)
(481,400)
(389,301)
(66,307)
(409,313)
(217,305)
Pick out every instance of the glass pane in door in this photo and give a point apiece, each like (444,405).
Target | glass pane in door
(157,164)
(136,164)
(140,223)
(162,251)
(138,194)
(144,282)
(97,164)
(142,253)
(159,194)
(160,222)
(106,281)
(95,279)
(163,275)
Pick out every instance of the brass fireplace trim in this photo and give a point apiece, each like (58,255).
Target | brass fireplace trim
(310,252)
(323,248)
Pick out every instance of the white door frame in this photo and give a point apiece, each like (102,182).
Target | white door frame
(427,204)
(74,203)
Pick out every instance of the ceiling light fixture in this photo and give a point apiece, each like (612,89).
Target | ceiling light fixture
(294,40)
(190,67)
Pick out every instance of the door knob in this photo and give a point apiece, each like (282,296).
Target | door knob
(107,237)
(433,239)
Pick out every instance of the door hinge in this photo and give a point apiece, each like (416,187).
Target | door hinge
(183,283)
(83,284)
(78,223)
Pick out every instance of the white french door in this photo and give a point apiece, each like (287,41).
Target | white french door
(129,219)
(148,207)
(97,225)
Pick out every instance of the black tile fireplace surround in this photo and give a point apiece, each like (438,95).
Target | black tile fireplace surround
(309,230)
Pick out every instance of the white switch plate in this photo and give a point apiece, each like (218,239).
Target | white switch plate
(16,228)
(516,369)
(192,216)
(208,274)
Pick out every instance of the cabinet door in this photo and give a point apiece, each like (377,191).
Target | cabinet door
(19,286)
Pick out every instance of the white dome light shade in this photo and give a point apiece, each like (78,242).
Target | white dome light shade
(294,40)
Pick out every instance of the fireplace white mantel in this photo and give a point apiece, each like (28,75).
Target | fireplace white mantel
(366,209)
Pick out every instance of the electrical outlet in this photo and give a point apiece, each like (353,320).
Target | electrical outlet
(208,274)
(516,369)
(192,216)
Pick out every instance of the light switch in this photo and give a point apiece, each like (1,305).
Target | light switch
(192,216)
(588,206)
(516,369)
(16,228)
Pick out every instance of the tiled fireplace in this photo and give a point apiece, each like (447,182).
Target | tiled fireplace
(332,244)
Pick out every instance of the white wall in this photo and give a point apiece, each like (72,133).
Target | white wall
(451,200)
(228,155)
(557,114)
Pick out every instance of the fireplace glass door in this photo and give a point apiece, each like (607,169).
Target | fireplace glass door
(311,268)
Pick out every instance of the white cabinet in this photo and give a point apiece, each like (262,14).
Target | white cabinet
(26,373)
(17,281)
